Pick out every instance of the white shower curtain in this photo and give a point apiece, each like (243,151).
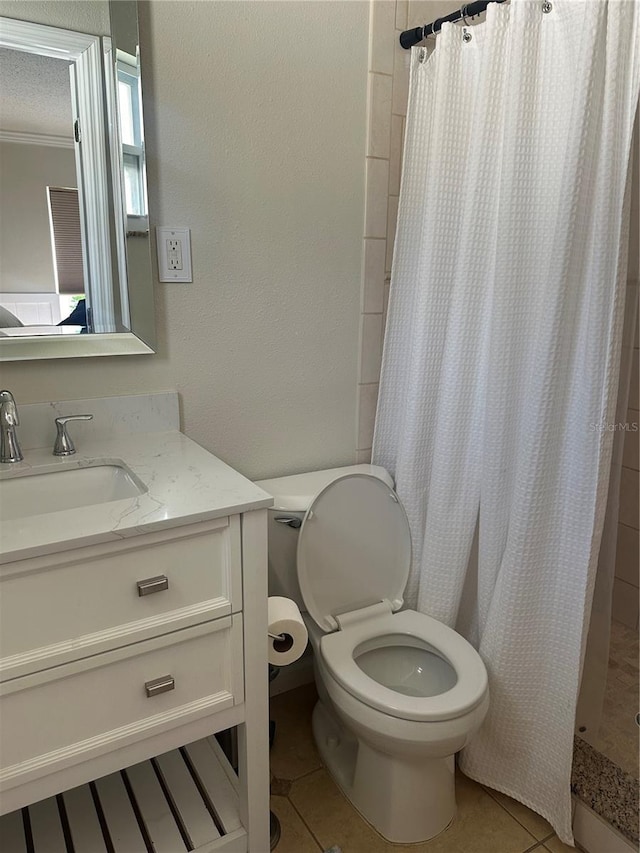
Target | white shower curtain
(502,352)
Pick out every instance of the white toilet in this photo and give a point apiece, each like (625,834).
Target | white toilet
(400,693)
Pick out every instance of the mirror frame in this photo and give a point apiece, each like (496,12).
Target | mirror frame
(88,56)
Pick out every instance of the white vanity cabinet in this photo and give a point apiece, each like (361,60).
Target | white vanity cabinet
(64,606)
(116,654)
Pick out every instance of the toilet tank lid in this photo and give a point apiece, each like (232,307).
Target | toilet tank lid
(296,492)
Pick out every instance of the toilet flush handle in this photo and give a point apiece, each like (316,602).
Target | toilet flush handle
(289,520)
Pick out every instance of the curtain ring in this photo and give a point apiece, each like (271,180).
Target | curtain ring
(466,35)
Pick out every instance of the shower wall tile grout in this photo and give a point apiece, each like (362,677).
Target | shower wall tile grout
(386,105)
(402,14)
(626,583)
(387,94)
(379,125)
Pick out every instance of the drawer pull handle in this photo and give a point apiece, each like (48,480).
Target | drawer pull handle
(159,685)
(151,585)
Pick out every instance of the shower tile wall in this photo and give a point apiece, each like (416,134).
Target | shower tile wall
(384,143)
(625,585)
(626,582)
(386,107)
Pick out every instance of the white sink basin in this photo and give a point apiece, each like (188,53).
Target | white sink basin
(71,488)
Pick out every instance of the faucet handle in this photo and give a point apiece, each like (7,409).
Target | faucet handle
(64,446)
(9,419)
(8,409)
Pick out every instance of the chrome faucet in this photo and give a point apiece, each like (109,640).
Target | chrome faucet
(9,420)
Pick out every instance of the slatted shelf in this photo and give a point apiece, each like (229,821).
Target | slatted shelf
(184,800)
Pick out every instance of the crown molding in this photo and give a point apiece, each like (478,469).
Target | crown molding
(22,138)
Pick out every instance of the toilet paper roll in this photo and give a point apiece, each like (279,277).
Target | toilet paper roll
(285,618)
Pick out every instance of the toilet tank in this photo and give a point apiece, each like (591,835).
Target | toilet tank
(292,497)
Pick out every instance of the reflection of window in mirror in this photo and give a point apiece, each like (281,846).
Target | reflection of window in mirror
(131,135)
(66,245)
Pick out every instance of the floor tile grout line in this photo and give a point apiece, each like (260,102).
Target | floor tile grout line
(537,842)
(304,775)
(538,846)
(534,845)
(526,829)
(309,830)
(349,803)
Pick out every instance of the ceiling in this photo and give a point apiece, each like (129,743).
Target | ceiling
(35,94)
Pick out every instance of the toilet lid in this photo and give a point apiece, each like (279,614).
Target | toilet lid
(354,549)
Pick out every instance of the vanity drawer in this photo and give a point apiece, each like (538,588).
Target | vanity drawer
(62,716)
(82,602)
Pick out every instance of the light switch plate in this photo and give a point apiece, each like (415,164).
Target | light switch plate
(174,254)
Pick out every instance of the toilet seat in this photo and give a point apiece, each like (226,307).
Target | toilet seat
(339,651)
(354,549)
(353,558)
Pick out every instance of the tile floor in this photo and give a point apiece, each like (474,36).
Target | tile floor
(314,814)
(618,733)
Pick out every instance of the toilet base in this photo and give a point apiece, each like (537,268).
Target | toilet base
(405,800)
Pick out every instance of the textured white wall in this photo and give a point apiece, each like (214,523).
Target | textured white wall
(79,15)
(255,115)
(25,240)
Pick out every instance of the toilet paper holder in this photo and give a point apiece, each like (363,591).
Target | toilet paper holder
(281,642)
(286,631)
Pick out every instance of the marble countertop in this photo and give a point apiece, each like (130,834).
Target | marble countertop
(184,484)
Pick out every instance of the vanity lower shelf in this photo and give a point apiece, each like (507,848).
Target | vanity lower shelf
(184,800)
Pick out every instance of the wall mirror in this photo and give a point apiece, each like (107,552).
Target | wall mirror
(75,265)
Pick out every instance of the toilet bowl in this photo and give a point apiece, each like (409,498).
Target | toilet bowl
(399,692)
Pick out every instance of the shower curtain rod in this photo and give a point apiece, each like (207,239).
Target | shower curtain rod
(409,38)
